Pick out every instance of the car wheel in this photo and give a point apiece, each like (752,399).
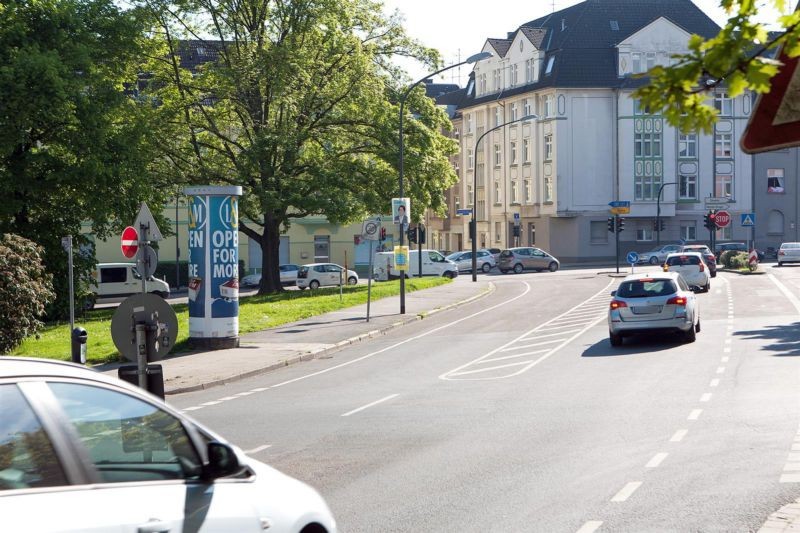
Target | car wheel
(552,267)
(352,281)
(707,287)
(163,295)
(691,335)
(654,260)
(697,327)
(518,268)
(486,268)
(313,285)
(714,274)
(615,339)
(780,264)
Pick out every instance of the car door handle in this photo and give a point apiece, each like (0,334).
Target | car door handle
(155,526)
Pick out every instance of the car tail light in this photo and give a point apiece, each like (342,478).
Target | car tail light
(616,304)
(781,252)
(702,267)
(677,300)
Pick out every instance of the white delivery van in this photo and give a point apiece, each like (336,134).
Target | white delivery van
(433,264)
(111,280)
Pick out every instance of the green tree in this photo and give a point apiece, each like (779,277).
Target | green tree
(738,58)
(304,114)
(74,147)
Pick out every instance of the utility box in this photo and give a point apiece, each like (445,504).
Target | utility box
(155,378)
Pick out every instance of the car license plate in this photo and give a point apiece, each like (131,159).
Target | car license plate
(646,309)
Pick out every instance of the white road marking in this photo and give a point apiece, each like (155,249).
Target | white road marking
(245,393)
(796,447)
(348,413)
(705,397)
(626,491)
(725,359)
(590,527)
(794,457)
(553,341)
(695,414)
(720,369)
(560,334)
(195,408)
(259,389)
(790,478)
(485,369)
(791,467)
(656,460)
(728,341)
(226,398)
(258,449)
(210,403)
(678,436)
(727,349)
(714,382)
(504,358)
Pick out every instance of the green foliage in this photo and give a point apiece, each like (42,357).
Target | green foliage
(733,259)
(735,58)
(25,289)
(73,146)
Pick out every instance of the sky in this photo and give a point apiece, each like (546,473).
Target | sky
(459,28)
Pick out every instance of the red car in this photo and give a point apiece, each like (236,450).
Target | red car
(708,256)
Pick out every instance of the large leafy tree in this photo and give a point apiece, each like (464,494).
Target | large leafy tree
(740,57)
(74,147)
(299,107)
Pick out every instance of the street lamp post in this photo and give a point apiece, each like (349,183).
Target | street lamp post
(471,59)
(473,224)
(658,211)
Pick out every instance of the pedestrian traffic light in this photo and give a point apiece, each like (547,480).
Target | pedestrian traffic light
(516,231)
(412,235)
(611,224)
(383,234)
(421,234)
(620,224)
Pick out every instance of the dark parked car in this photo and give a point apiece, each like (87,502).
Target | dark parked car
(737,246)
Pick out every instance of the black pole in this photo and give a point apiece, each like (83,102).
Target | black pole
(419,249)
(616,238)
(402,190)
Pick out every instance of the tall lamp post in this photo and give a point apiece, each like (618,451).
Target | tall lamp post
(473,224)
(471,59)
(658,211)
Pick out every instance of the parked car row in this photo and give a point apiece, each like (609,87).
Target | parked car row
(288,274)
(312,276)
(514,260)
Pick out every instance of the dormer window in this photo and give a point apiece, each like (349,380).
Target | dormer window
(549,67)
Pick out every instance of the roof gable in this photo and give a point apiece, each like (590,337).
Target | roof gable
(500,45)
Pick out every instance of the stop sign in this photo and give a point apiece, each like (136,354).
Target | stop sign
(130,242)
(722,219)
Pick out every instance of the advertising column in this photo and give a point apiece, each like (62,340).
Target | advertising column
(213,266)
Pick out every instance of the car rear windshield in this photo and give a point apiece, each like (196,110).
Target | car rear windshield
(790,245)
(683,260)
(646,289)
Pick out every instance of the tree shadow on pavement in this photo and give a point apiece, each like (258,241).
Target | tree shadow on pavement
(634,345)
(785,338)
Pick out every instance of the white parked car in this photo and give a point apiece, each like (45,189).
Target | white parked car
(318,275)
(113,280)
(789,252)
(692,267)
(74,439)
(288,277)
(433,264)
(485,260)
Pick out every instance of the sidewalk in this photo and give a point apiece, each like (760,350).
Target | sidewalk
(262,351)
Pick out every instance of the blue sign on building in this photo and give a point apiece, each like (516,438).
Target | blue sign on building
(214,263)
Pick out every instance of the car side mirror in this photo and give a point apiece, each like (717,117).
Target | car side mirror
(613,293)
(222,461)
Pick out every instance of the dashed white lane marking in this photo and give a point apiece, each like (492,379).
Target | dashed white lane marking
(245,393)
(590,527)
(258,449)
(656,460)
(790,478)
(627,491)
(728,341)
(386,399)
(705,397)
(477,369)
(720,369)
(791,467)
(695,414)
(226,398)
(796,447)
(725,359)
(727,349)
(794,458)
(206,404)
(194,408)
(507,357)
(678,436)
(714,382)
(259,389)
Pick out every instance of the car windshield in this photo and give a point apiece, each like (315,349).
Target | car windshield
(682,260)
(646,288)
(790,245)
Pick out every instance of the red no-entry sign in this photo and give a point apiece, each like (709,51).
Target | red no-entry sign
(130,242)
(722,219)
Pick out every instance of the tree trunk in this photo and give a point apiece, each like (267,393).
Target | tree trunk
(270,257)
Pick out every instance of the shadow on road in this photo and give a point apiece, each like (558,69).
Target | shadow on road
(638,344)
(785,338)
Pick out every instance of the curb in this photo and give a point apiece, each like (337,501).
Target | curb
(784,519)
(335,348)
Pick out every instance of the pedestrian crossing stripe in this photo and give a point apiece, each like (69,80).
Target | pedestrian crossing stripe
(747,220)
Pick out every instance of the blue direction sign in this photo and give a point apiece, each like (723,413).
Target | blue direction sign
(619,203)
(633,258)
(516,216)
(748,219)
(463,211)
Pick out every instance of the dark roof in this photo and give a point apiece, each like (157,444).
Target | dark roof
(500,45)
(194,53)
(452,97)
(535,35)
(583,44)
(433,90)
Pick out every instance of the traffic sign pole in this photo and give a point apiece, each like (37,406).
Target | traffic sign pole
(616,239)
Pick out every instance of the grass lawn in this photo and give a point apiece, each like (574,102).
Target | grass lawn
(255,313)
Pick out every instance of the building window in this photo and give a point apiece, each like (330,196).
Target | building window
(457,202)
(651,60)
(456,133)
(775,180)
(647,144)
(498,79)
(514,75)
(496,191)
(528,192)
(497,228)
(687,187)
(723,186)
(470,195)
(513,148)
(498,116)
(548,106)
(598,232)
(549,67)
(722,144)
(687,145)
(548,188)
(469,123)
(775,223)
(498,156)
(514,111)
(639,110)
(644,234)
(526,150)
(723,104)
(548,147)
(646,187)
(724,234)
(470,160)
(482,84)
(526,107)
(636,60)
(529,70)
(689,231)
(514,192)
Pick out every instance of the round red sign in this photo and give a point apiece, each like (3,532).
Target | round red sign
(130,242)
(722,219)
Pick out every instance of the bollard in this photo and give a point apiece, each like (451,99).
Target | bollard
(78,345)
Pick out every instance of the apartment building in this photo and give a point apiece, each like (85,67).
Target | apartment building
(587,142)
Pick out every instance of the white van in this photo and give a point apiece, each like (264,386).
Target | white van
(110,280)
(433,264)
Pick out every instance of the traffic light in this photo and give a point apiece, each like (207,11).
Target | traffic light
(412,235)
(383,233)
(655,225)
(421,233)
(611,224)
(708,220)
(662,225)
(620,224)
(516,231)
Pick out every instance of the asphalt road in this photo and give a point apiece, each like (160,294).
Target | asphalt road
(513,413)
